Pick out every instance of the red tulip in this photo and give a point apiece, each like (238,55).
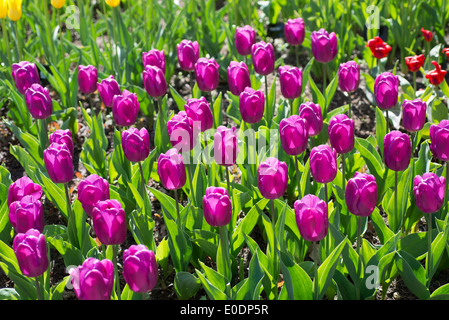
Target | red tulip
(414,63)
(427,34)
(436,76)
(378,47)
(446,52)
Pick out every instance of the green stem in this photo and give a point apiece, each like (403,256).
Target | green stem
(142,178)
(297,56)
(61,49)
(350,106)
(48,29)
(324,86)
(429,247)
(117,280)
(178,216)
(315,272)
(378,67)
(266,94)
(388,121)
(359,231)
(6,41)
(38,289)
(19,49)
(224,248)
(396,194)
(343,172)
(414,83)
(114,31)
(192,195)
(296,160)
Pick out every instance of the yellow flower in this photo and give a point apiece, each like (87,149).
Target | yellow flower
(112,3)
(3,8)
(15,10)
(58,4)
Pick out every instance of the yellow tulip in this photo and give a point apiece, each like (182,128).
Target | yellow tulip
(112,3)
(15,10)
(58,4)
(3,8)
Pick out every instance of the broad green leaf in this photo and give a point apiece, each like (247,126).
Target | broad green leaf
(327,268)
(296,281)
(186,285)
(413,274)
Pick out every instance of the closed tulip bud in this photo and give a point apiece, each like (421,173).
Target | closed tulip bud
(3,8)
(244,38)
(436,76)
(414,63)
(427,34)
(23,187)
(446,52)
(386,87)
(58,162)
(26,214)
(136,144)
(181,132)
(92,190)
(93,280)
(207,74)
(140,268)
(108,88)
(291,82)
(154,81)
(414,114)
(171,170)
(109,222)
(199,111)
(273,178)
(397,150)
(87,79)
(188,54)
(62,137)
(113,3)
(378,47)
(294,134)
(439,140)
(30,249)
(312,219)
(361,194)
(295,31)
(324,45)
(429,190)
(38,101)
(323,163)
(58,4)
(238,77)
(252,105)
(226,146)
(154,58)
(24,75)
(313,115)
(262,55)
(15,10)
(217,207)
(341,133)
(125,108)
(349,76)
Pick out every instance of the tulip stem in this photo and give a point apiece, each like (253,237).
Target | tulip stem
(6,41)
(228,183)
(315,272)
(359,259)
(224,249)
(396,194)
(388,121)
(142,178)
(295,158)
(343,172)
(114,31)
(178,216)
(350,105)
(429,247)
(19,49)
(297,56)
(414,83)
(324,87)
(38,289)
(192,195)
(117,280)
(61,49)
(378,67)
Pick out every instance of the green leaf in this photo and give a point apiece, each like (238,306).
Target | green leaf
(186,285)
(413,274)
(179,244)
(179,100)
(327,268)
(442,293)
(250,290)
(296,280)
(381,129)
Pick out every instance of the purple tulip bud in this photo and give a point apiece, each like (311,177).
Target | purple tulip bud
(324,45)
(58,162)
(226,146)
(386,88)
(291,82)
(154,81)
(93,280)
(273,178)
(92,190)
(107,89)
(323,163)
(31,253)
(125,108)
(263,58)
(294,134)
(26,214)
(188,54)
(140,268)
(361,194)
(311,215)
(62,137)
(171,170)
(439,140)
(429,192)
(238,77)
(313,115)
(294,31)
(252,105)
(341,133)
(181,132)
(349,76)
(136,144)
(414,114)
(217,207)
(244,38)
(109,222)
(154,58)
(87,79)
(199,111)
(23,187)
(397,150)
(38,101)
(207,74)
(24,75)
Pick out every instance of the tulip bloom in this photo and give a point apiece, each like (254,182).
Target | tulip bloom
(263,58)
(414,63)
(244,39)
(188,54)
(427,34)
(324,45)
(349,76)
(125,108)
(23,187)
(429,190)
(199,111)
(93,280)
(397,150)
(3,9)
(24,75)
(154,81)
(361,194)
(273,178)
(341,133)
(26,214)
(414,114)
(217,207)
(58,4)
(108,88)
(252,105)
(313,115)
(92,190)
(311,216)
(378,47)
(58,162)
(446,52)
(291,82)
(439,140)
(38,101)
(181,132)
(226,146)
(238,77)
(87,79)
(171,170)
(62,137)
(140,268)
(207,74)
(294,134)
(154,58)
(386,87)
(294,31)
(136,144)
(30,249)
(15,10)
(323,163)
(436,76)
(109,222)
(112,3)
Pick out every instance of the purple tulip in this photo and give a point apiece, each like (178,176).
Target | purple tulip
(323,163)
(295,31)
(238,77)
(140,268)
(311,215)
(252,105)
(439,140)
(207,74)
(324,45)
(30,249)
(154,81)
(429,192)
(341,133)
(38,101)
(361,194)
(291,82)
(136,144)
(87,79)
(188,54)
(108,88)
(109,222)
(414,114)
(217,207)
(154,58)
(171,170)
(397,150)
(263,58)
(226,146)
(93,280)
(23,187)
(199,111)
(294,134)
(26,214)
(244,38)
(92,190)
(273,178)
(58,162)
(386,88)
(24,75)
(181,132)
(313,115)
(349,76)
(125,108)
(62,137)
